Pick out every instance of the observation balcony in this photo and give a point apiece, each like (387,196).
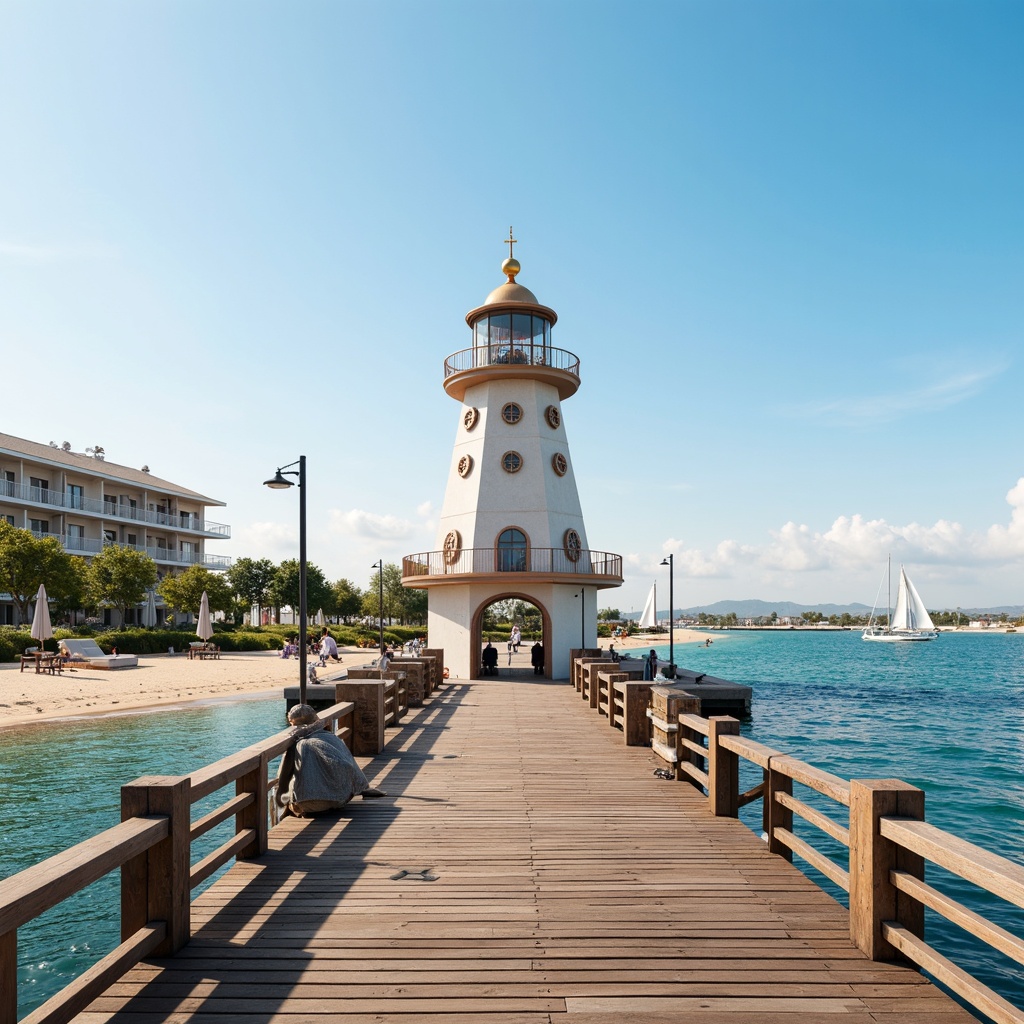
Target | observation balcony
(548,565)
(523,361)
(51,498)
(88,546)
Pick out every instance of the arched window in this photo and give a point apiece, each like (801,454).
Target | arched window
(512,550)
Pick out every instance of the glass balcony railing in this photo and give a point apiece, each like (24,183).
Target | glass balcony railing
(111,509)
(87,546)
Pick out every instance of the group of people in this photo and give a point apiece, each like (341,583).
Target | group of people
(489,656)
(323,647)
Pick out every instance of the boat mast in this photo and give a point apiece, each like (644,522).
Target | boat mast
(888,595)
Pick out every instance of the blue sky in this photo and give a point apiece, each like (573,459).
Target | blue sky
(784,238)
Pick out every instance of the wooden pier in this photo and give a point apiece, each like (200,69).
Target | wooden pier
(526,868)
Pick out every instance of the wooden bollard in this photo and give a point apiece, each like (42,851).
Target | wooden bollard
(368,719)
(155,884)
(873,897)
(723,768)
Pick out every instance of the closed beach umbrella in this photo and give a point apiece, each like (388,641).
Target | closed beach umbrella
(41,628)
(320,620)
(149,612)
(204,629)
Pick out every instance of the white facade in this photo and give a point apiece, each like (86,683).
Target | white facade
(511,524)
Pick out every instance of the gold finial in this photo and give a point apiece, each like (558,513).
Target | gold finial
(510,267)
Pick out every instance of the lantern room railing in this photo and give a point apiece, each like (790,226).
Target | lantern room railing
(506,353)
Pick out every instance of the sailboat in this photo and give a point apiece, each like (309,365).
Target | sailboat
(649,618)
(908,621)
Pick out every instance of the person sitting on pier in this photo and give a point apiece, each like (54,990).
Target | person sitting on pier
(318,772)
(651,665)
(489,660)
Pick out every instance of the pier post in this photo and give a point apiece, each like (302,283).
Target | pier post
(368,721)
(9,977)
(255,815)
(873,897)
(776,815)
(723,768)
(155,885)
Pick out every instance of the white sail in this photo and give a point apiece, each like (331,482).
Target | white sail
(910,612)
(649,619)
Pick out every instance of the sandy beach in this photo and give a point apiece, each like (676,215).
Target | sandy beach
(162,680)
(159,680)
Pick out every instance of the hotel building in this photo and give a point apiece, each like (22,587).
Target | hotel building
(88,503)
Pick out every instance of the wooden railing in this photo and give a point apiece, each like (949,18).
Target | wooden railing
(152,847)
(888,842)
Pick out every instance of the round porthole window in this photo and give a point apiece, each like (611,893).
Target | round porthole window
(470,418)
(559,464)
(511,462)
(465,465)
(554,417)
(452,547)
(573,545)
(511,413)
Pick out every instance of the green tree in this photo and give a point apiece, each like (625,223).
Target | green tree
(120,577)
(348,599)
(27,561)
(394,594)
(76,593)
(184,592)
(609,613)
(251,579)
(285,588)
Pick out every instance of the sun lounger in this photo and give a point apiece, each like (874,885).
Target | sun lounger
(89,651)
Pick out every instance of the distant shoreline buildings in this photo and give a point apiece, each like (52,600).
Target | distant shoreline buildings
(88,503)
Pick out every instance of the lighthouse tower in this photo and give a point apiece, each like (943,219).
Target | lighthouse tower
(511,525)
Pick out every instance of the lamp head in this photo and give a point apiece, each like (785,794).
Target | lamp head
(278,483)
(667,561)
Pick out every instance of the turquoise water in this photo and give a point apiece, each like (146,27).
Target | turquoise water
(62,785)
(947,716)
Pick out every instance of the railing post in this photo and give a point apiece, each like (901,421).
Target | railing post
(155,884)
(9,977)
(777,816)
(255,815)
(873,897)
(723,768)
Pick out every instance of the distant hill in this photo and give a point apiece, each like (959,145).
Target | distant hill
(752,609)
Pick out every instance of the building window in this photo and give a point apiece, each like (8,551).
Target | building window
(188,551)
(452,547)
(512,550)
(76,531)
(470,418)
(75,495)
(511,462)
(465,465)
(109,536)
(7,483)
(133,539)
(39,525)
(9,519)
(511,413)
(573,545)
(559,464)
(553,416)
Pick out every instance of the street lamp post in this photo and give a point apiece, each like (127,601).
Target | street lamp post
(670,562)
(280,483)
(583,618)
(379,566)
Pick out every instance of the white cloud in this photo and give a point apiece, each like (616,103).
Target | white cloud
(18,252)
(884,408)
(360,523)
(266,537)
(426,510)
(853,543)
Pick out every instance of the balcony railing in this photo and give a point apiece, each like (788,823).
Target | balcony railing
(91,545)
(505,353)
(110,509)
(549,561)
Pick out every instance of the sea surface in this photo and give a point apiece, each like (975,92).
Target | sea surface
(947,716)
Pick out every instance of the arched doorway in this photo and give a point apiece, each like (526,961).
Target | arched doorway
(522,668)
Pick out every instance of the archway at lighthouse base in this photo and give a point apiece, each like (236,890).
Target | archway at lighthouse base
(456,612)
(492,623)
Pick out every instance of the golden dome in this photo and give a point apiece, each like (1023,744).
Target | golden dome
(511,292)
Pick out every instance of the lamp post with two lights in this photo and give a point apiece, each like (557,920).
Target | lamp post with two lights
(670,562)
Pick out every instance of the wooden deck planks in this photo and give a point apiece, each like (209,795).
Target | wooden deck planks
(571,884)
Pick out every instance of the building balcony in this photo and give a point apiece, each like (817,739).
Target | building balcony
(511,359)
(88,546)
(474,565)
(42,497)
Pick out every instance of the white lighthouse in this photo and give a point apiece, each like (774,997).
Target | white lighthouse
(511,525)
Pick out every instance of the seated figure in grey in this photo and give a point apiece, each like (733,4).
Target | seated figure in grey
(318,773)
